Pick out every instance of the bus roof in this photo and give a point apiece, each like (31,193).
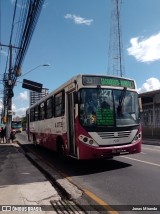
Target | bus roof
(92,79)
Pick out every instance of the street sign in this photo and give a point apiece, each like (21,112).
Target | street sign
(34,86)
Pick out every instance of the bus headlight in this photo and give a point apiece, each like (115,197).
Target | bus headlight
(91,142)
(137,137)
(87,140)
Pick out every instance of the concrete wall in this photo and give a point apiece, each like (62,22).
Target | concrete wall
(150,132)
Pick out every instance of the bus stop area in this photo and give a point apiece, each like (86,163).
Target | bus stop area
(24,188)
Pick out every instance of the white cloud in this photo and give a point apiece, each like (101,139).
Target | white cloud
(20,112)
(1,105)
(19,103)
(151,84)
(23,96)
(145,49)
(45,4)
(79,20)
(13,107)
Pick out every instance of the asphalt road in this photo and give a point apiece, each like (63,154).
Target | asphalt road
(126,180)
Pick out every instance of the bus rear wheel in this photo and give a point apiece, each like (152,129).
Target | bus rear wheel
(34,140)
(61,150)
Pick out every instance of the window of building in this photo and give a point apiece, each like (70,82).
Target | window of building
(157,115)
(147,116)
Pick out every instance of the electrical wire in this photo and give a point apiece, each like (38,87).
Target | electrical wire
(14,13)
(0,22)
(32,18)
(20,23)
(28,17)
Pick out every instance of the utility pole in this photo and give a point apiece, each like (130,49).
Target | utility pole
(8,92)
(10,95)
(115,54)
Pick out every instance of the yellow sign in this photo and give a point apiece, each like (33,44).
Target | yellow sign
(4,119)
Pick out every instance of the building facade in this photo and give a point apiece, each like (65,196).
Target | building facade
(150,115)
(36,96)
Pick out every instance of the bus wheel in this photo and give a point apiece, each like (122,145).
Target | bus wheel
(60,149)
(34,140)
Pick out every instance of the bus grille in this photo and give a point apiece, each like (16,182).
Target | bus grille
(108,135)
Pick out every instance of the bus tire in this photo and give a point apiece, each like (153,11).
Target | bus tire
(34,140)
(60,149)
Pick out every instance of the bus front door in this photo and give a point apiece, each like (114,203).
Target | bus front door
(71,125)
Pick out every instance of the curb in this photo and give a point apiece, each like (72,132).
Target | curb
(151,142)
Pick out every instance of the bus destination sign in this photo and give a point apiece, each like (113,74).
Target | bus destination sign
(108,81)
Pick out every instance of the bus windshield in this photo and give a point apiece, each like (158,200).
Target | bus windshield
(108,107)
(17,126)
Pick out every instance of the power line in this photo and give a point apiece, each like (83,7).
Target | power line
(25,30)
(14,14)
(31,21)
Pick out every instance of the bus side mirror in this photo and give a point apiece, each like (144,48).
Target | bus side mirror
(75,96)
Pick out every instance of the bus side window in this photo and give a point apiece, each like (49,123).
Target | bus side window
(49,110)
(36,113)
(32,115)
(42,111)
(59,104)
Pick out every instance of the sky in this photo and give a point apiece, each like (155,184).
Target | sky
(73,37)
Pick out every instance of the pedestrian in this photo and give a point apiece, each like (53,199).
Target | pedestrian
(13,135)
(3,134)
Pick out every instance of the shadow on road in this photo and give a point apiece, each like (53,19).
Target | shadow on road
(74,167)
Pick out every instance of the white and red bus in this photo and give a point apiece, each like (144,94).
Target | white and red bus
(88,117)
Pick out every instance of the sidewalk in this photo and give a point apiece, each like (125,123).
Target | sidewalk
(151,141)
(21,183)
(24,189)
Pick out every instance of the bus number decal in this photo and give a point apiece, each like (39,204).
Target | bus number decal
(58,124)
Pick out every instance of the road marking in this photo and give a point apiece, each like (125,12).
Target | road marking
(154,164)
(143,153)
(100,202)
(158,150)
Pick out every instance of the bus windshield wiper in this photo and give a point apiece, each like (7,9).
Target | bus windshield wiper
(121,101)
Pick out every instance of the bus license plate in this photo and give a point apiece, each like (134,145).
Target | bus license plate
(115,151)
